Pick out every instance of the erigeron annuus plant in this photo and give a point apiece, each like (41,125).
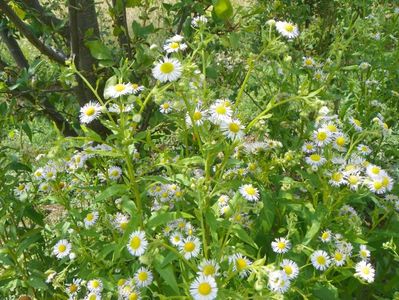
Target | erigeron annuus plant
(204,201)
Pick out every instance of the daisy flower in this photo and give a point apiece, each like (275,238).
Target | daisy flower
(365,271)
(176,38)
(117,90)
(115,108)
(364,253)
(137,243)
(240,264)
(168,69)
(143,277)
(356,124)
(376,185)
(38,174)
(326,236)
(249,192)
(95,285)
(62,249)
(121,222)
(339,258)
(44,187)
(208,267)
(190,247)
(176,238)
(387,182)
(73,288)
(374,171)
(331,128)
(337,179)
(281,245)
(308,62)
(308,147)
(174,47)
(114,173)
(198,117)
(89,112)
(278,282)
(353,181)
(232,129)
(165,107)
(320,260)
(50,173)
(290,268)
(315,160)
(220,111)
(340,141)
(322,137)
(136,88)
(287,29)
(204,288)
(363,149)
(91,219)
(319,75)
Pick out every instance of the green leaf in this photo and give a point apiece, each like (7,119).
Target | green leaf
(168,276)
(117,189)
(142,31)
(314,229)
(17,166)
(243,235)
(98,50)
(34,215)
(222,9)
(133,3)
(27,130)
(37,283)
(325,292)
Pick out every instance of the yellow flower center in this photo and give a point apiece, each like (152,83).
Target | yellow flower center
(353,179)
(321,136)
(241,264)
(385,181)
(281,245)
(114,173)
(308,62)
(189,247)
(315,157)
(174,45)
(220,110)
(340,141)
(95,284)
(38,174)
(120,87)
(289,27)
(321,260)
(90,111)
(89,217)
(204,288)
(364,149)
(142,276)
(21,187)
(366,270)
(338,256)
(250,190)
(73,288)
(133,296)
(165,105)
(357,122)
(209,270)
(234,127)
(167,67)
(337,176)
(332,127)
(288,270)
(92,297)
(123,225)
(121,282)
(197,116)
(135,242)
(375,170)
(61,248)
(378,185)
(325,235)
(135,86)
(309,147)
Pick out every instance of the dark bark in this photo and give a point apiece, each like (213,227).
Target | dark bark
(121,23)
(83,19)
(24,29)
(13,47)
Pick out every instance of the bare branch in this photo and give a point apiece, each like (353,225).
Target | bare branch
(44,49)
(13,47)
